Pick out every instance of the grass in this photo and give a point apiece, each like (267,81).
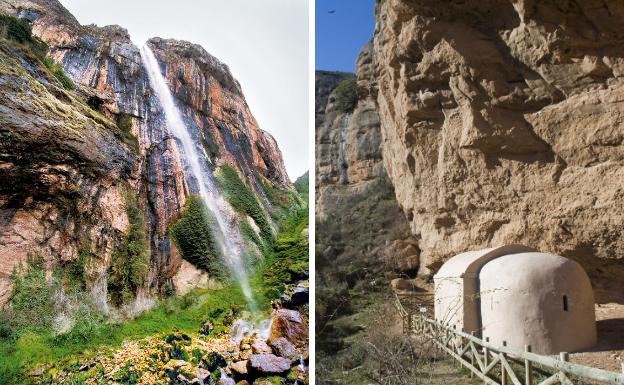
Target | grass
(183,314)
(92,332)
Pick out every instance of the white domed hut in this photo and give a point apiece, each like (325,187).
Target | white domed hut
(520,296)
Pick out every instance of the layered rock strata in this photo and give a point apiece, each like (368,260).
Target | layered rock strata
(92,162)
(502,122)
(349,167)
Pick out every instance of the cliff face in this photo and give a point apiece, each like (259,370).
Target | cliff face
(351,183)
(70,191)
(503,123)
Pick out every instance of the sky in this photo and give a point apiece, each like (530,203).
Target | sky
(265,44)
(341,34)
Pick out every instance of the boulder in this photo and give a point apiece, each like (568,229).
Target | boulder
(176,368)
(259,346)
(290,325)
(402,285)
(285,349)
(239,367)
(402,256)
(268,364)
(201,374)
(226,381)
(300,296)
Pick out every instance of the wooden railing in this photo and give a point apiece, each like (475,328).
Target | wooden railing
(501,365)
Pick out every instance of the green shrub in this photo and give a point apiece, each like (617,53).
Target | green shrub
(15,29)
(129,264)
(243,200)
(31,299)
(89,323)
(193,237)
(346,95)
(19,31)
(59,74)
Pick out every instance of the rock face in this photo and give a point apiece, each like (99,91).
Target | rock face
(348,147)
(70,191)
(350,171)
(289,324)
(503,123)
(268,364)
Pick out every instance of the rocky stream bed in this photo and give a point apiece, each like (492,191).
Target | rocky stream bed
(266,351)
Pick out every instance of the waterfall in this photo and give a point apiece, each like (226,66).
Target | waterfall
(342,150)
(201,181)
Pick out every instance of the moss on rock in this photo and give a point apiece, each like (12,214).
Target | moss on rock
(192,235)
(244,200)
(129,265)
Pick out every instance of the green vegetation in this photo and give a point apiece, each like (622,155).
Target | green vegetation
(243,200)
(281,199)
(124,122)
(31,301)
(346,95)
(75,271)
(192,234)
(15,29)
(182,314)
(35,344)
(19,31)
(248,232)
(57,71)
(129,265)
(289,260)
(348,261)
(301,184)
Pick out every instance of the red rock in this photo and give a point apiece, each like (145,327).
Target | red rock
(290,325)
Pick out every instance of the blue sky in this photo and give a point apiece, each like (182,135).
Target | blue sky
(341,35)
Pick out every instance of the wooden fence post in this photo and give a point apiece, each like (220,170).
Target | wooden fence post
(472,358)
(528,368)
(503,371)
(565,357)
(486,354)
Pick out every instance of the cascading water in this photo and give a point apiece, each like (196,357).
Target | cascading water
(342,149)
(226,232)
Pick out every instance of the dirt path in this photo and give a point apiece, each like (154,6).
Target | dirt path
(608,354)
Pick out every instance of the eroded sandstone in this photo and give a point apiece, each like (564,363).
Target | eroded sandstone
(502,123)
